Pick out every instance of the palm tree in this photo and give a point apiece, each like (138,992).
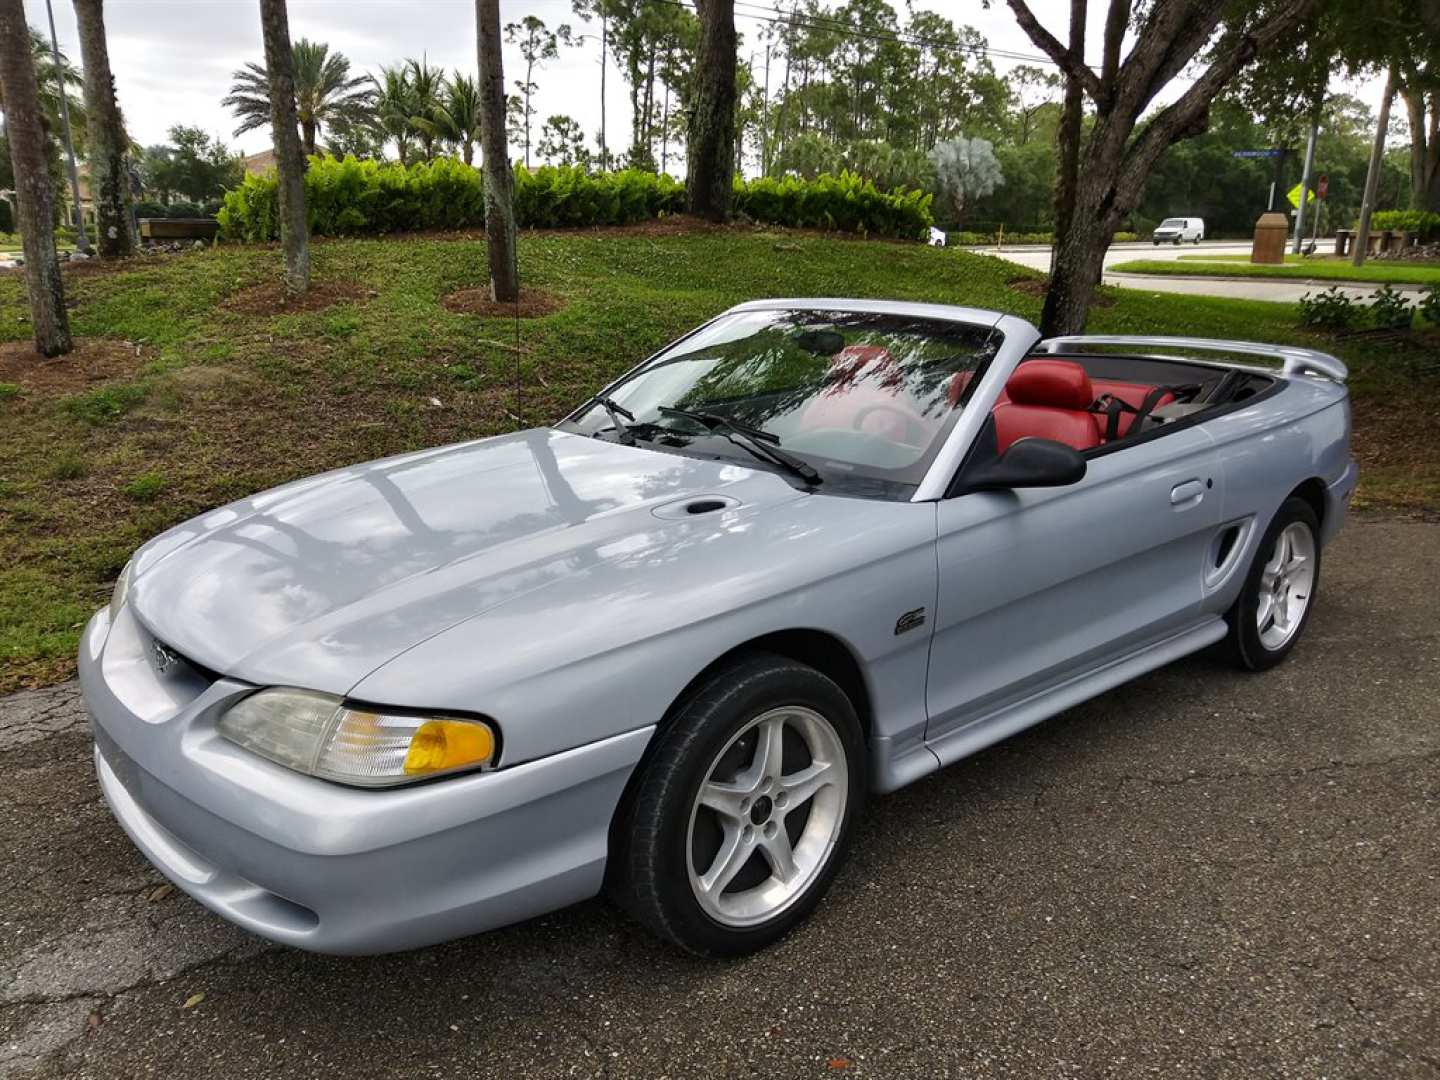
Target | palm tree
(24,117)
(427,89)
(107,144)
(325,92)
(48,87)
(458,115)
(394,103)
(284,94)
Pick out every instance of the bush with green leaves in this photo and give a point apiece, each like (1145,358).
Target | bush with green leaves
(1429,304)
(1328,310)
(346,197)
(843,203)
(1425,223)
(1390,308)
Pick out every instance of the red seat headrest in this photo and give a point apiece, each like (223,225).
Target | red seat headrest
(1059,384)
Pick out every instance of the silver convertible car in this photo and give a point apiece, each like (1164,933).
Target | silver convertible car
(813,550)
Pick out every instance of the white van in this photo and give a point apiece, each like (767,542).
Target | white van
(1175,229)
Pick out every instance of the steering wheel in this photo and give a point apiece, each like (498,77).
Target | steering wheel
(913,424)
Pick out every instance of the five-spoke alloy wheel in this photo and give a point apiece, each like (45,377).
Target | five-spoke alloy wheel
(1279,592)
(739,818)
(751,809)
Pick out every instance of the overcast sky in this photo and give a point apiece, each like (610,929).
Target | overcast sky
(172,59)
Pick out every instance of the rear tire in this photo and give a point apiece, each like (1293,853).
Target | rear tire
(744,809)
(1274,605)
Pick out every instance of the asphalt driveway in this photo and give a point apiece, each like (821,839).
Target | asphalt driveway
(1201,874)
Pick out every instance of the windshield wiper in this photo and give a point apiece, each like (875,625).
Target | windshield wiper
(616,411)
(758,441)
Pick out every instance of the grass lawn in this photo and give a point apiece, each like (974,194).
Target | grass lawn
(1316,267)
(177,400)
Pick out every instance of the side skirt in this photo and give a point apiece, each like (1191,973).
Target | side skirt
(974,737)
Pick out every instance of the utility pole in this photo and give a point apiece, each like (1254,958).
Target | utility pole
(765,142)
(1372,177)
(81,241)
(604,48)
(1305,178)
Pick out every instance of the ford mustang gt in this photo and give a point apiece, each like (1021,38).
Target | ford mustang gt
(813,550)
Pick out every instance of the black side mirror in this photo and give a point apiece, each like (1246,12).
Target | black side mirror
(1029,462)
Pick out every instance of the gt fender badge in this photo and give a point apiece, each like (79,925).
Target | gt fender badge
(910,620)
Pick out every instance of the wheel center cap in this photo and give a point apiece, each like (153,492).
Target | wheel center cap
(760,810)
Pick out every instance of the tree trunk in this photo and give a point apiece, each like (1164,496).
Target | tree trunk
(1076,266)
(467,148)
(710,145)
(109,177)
(1067,137)
(34,195)
(529,74)
(1372,175)
(1424,148)
(499,180)
(307,136)
(289,157)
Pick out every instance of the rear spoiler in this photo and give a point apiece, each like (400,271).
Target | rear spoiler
(1295,361)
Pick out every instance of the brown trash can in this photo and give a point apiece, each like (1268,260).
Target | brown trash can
(1271,233)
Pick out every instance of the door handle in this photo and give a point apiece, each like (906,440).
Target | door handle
(1186,494)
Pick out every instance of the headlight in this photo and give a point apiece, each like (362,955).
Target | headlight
(320,735)
(122,590)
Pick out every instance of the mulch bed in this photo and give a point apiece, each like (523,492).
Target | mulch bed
(93,360)
(533,304)
(270,297)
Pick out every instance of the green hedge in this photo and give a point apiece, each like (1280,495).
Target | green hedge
(845,203)
(1424,222)
(349,197)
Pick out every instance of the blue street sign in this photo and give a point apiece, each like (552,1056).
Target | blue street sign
(1257,153)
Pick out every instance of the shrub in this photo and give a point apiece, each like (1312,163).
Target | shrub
(148,208)
(349,197)
(1390,309)
(1331,309)
(7,217)
(1423,222)
(846,203)
(1429,305)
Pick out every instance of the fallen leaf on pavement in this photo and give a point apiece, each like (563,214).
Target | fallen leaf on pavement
(160,892)
(193,1000)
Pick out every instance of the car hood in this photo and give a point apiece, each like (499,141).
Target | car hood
(319,582)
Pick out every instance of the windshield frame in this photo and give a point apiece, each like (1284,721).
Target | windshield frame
(995,326)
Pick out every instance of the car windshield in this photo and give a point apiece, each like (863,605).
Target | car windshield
(1173,223)
(862,398)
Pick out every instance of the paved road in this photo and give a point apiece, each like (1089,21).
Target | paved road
(1202,874)
(1287,291)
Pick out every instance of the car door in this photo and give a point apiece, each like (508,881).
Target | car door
(1038,586)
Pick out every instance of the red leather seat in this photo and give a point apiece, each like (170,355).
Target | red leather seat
(1047,399)
(1133,394)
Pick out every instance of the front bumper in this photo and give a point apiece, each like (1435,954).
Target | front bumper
(322,866)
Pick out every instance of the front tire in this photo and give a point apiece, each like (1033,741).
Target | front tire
(1275,602)
(744,809)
